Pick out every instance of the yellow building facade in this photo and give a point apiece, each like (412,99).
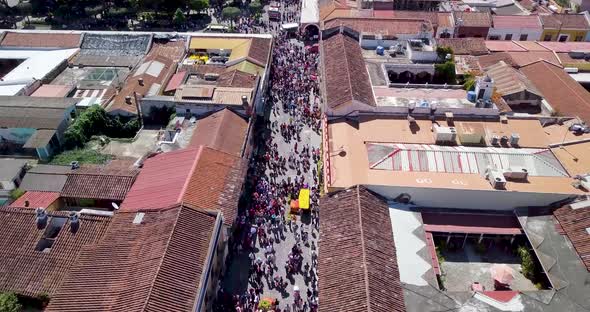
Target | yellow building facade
(564,35)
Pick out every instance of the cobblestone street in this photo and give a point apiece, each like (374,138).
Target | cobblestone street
(287,161)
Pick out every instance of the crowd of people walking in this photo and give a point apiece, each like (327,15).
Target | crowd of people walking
(282,245)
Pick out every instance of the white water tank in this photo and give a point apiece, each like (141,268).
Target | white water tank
(445,134)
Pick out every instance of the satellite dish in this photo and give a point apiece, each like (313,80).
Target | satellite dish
(115,206)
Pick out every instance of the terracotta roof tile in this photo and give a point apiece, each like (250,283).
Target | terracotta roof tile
(357,258)
(224,130)
(152,266)
(216,183)
(346,78)
(517,21)
(35,200)
(259,50)
(575,223)
(41,40)
(465,46)
(236,79)
(564,21)
(202,177)
(29,272)
(165,55)
(562,92)
(159,183)
(96,183)
(473,19)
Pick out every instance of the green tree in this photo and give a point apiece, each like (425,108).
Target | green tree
(16,193)
(94,10)
(199,5)
(445,73)
(9,303)
(255,7)
(231,14)
(179,18)
(526,262)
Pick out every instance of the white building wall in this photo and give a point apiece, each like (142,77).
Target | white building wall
(533,34)
(468,199)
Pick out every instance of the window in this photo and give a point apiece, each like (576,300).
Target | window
(524,37)
(578,38)
(494,38)
(563,38)
(508,37)
(51,231)
(547,38)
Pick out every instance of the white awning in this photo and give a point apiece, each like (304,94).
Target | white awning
(310,13)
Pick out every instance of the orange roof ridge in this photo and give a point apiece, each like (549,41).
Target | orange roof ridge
(190,174)
(541,60)
(153,282)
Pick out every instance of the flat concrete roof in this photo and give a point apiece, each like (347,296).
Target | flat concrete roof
(349,162)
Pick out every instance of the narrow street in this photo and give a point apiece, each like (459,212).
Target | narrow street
(274,251)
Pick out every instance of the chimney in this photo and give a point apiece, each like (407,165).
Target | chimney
(74,221)
(140,80)
(450,118)
(40,218)
(26,203)
(128,100)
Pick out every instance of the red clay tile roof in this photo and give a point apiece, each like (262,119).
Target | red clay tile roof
(160,181)
(575,223)
(176,80)
(35,200)
(203,177)
(224,130)
(202,69)
(464,46)
(167,55)
(345,74)
(524,58)
(153,266)
(517,21)
(432,17)
(236,79)
(385,26)
(357,258)
(29,272)
(97,183)
(494,58)
(564,21)
(259,51)
(40,40)
(216,183)
(473,19)
(562,92)
(517,59)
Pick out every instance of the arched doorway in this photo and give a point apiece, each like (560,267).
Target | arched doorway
(393,76)
(423,77)
(311,32)
(406,76)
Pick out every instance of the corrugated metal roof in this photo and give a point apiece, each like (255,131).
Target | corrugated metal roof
(463,159)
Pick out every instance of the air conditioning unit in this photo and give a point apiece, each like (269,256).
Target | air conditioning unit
(496,178)
(445,134)
(495,140)
(514,138)
(516,173)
